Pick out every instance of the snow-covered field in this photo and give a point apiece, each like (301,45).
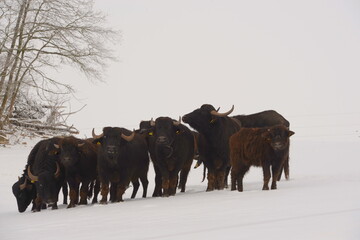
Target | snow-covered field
(321,201)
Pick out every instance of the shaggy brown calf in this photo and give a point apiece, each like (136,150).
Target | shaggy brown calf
(260,147)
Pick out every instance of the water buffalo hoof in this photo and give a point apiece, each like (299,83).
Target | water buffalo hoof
(71,205)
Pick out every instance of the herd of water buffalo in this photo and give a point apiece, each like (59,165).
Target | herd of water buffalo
(109,162)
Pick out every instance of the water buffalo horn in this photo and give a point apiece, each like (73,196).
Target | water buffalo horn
(56,145)
(81,144)
(215,113)
(177,123)
(23,186)
(152,122)
(96,136)
(31,176)
(57,173)
(128,138)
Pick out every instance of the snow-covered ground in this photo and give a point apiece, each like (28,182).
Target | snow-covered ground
(321,201)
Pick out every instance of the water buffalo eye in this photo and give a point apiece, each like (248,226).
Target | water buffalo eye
(178,131)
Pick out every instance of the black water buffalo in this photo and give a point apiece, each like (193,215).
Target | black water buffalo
(171,146)
(267,118)
(24,192)
(78,158)
(122,158)
(261,147)
(214,130)
(44,170)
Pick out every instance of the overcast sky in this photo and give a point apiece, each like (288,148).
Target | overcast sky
(300,58)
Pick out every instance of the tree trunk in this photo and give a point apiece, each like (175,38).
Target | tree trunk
(10,85)
(4,72)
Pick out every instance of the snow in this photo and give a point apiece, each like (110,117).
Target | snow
(320,201)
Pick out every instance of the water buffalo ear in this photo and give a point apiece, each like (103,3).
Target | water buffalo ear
(291,133)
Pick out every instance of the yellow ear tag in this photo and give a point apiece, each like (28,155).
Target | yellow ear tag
(33,181)
(151,133)
(98,143)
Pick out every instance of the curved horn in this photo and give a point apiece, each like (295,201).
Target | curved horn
(31,176)
(23,186)
(177,123)
(215,113)
(57,173)
(152,122)
(128,138)
(96,136)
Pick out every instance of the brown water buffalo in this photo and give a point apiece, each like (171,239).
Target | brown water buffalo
(261,147)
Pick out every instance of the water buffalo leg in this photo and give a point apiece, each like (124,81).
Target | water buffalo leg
(286,168)
(173,183)
(158,182)
(220,179)
(104,192)
(84,191)
(144,183)
(183,179)
(276,171)
(165,186)
(136,185)
(234,177)
(267,176)
(74,192)
(38,204)
(113,189)
(65,192)
(96,191)
(120,191)
(211,181)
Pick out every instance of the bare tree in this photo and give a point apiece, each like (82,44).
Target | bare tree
(39,35)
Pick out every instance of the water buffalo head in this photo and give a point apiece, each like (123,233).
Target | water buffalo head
(112,139)
(24,192)
(46,181)
(164,131)
(204,118)
(69,151)
(278,137)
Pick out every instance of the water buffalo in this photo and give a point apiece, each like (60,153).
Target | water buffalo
(261,147)
(78,157)
(171,147)
(267,118)
(44,170)
(122,158)
(214,130)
